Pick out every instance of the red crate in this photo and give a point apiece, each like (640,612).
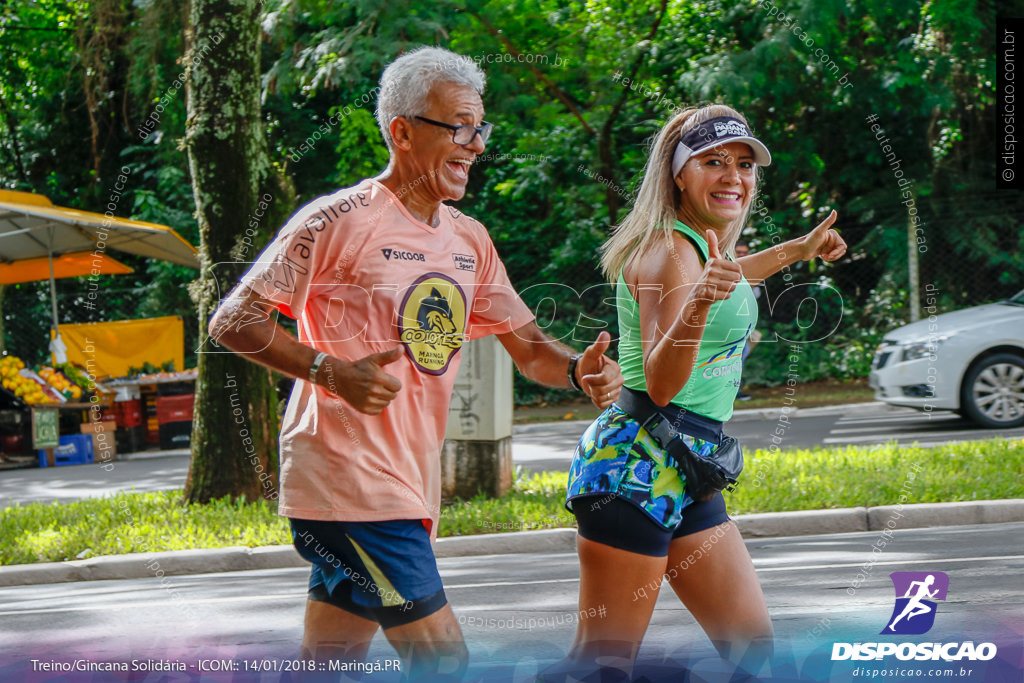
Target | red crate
(175,408)
(129,413)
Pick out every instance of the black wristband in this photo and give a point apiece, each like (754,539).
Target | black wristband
(573,361)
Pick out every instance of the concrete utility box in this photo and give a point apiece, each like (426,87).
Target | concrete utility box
(477,453)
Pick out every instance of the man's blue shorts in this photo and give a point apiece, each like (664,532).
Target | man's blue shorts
(382,571)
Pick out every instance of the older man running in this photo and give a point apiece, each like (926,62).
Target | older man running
(386,282)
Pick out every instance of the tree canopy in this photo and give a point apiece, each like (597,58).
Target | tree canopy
(575,89)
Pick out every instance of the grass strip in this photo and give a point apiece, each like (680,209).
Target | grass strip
(804,479)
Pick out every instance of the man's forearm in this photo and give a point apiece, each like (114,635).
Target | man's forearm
(260,339)
(551,367)
(539,358)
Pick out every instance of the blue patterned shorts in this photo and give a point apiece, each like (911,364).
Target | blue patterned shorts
(617,456)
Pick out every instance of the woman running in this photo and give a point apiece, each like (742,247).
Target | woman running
(685,311)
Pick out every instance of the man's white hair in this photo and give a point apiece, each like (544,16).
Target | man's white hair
(407,81)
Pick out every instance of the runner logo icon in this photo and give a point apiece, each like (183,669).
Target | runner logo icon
(914,611)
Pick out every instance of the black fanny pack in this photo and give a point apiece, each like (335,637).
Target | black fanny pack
(705,475)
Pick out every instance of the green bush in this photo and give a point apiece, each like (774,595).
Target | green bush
(853,476)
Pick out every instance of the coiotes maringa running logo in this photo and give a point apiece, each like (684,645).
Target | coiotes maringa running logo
(432,322)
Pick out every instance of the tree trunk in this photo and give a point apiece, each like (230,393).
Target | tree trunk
(234,437)
(3,332)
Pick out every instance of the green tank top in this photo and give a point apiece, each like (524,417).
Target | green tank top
(715,379)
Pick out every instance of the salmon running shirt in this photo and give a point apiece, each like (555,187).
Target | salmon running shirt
(362,276)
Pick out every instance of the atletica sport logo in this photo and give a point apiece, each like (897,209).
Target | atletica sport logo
(433,317)
(914,614)
(465,261)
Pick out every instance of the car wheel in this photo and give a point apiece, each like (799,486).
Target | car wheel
(993,391)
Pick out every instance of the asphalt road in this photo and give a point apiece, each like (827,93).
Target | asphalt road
(537,448)
(810,583)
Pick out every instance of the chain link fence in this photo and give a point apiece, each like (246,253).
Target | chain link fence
(28,319)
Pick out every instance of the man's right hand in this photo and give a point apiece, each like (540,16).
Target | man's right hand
(363,383)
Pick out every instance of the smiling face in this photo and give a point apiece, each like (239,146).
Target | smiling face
(436,166)
(717,185)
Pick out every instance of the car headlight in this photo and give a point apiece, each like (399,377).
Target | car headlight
(926,348)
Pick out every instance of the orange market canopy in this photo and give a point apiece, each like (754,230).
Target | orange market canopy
(65,265)
(31,227)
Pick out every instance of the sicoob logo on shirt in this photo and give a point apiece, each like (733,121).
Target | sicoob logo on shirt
(433,317)
(400,255)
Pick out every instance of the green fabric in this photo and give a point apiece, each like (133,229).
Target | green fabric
(715,379)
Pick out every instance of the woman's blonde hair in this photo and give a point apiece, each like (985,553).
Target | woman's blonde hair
(657,202)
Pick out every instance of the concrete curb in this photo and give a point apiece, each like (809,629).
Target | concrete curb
(149,565)
(803,522)
(542,541)
(800,523)
(945,514)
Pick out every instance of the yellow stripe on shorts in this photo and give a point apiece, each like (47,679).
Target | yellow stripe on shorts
(389,597)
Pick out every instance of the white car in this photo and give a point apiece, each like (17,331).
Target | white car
(970,361)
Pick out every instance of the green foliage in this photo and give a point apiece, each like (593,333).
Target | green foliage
(360,151)
(134,523)
(534,503)
(148,368)
(855,476)
(58,52)
(563,118)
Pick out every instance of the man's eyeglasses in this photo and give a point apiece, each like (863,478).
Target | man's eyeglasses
(465,134)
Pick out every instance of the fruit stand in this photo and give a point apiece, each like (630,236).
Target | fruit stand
(59,413)
(52,415)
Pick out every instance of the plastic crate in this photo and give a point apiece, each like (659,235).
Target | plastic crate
(74,449)
(175,408)
(130,439)
(129,413)
(175,435)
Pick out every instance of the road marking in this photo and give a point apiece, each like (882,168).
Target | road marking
(942,561)
(509,583)
(118,607)
(918,417)
(299,595)
(762,569)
